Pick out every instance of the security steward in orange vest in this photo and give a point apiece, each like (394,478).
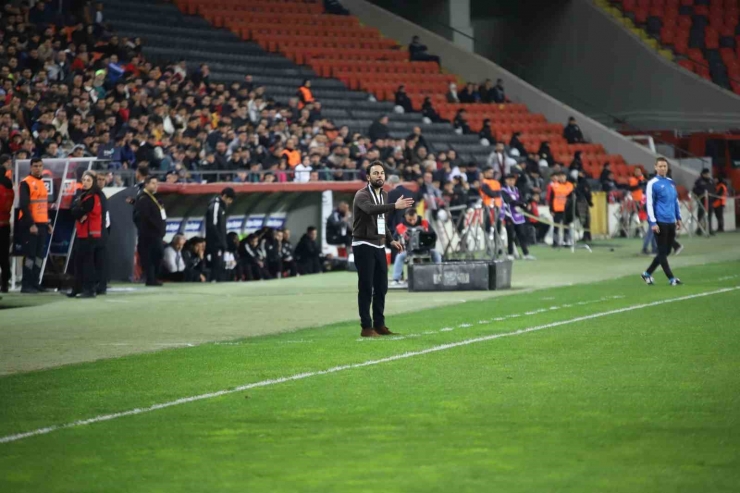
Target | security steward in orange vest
(304,94)
(719,204)
(88,209)
(34,226)
(490,194)
(636,184)
(561,190)
(6,206)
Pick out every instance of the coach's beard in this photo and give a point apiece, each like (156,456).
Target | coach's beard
(378,184)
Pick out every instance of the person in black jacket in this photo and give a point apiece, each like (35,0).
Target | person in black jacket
(273,258)
(704,184)
(308,253)
(572,132)
(403,100)
(338,226)
(418,52)
(584,202)
(149,217)
(486,132)
(379,129)
(286,252)
(253,258)
(216,243)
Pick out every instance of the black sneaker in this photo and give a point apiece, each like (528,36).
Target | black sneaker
(71,294)
(647,278)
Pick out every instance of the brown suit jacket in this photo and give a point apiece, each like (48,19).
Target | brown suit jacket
(365,213)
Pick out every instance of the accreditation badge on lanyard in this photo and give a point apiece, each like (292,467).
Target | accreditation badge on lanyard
(381,218)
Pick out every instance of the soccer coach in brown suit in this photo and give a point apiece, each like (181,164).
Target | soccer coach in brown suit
(369,237)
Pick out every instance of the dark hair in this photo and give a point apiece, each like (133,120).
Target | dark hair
(228,192)
(143,170)
(149,179)
(35,160)
(410,212)
(374,163)
(4,159)
(661,158)
(310,229)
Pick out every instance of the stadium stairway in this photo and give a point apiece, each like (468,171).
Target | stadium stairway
(282,43)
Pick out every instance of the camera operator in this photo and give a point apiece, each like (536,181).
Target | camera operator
(515,220)
(412,225)
(339,226)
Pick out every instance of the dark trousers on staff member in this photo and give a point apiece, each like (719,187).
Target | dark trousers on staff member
(151,253)
(88,265)
(4,257)
(34,252)
(665,239)
(372,270)
(101,267)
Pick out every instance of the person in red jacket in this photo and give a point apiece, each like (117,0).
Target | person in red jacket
(89,212)
(6,206)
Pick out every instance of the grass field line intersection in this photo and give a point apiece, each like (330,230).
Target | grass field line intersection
(301,376)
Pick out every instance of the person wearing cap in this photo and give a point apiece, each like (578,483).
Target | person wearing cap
(216,243)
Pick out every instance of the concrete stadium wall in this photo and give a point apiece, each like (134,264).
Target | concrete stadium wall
(474,67)
(584,57)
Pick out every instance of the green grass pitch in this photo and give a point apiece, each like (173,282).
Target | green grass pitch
(607,386)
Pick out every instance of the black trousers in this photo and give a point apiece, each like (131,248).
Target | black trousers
(275,268)
(518,232)
(311,265)
(4,255)
(665,239)
(151,253)
(372,271)
(34,252)
(101,266)
(719,213)
(216,264)
(88,265)
(558,218)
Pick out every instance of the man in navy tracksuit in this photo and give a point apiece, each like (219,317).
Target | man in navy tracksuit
(664,217)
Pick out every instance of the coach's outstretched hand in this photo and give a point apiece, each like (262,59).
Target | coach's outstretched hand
(403,203)
(397,245)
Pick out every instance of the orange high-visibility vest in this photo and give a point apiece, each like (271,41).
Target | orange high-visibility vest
(560,192)
(294,157)
(722,192)
(39,199)
(494,185)
(306,96)
(636,194)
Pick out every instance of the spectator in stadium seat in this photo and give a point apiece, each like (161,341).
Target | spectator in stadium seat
(303,170)
(609,184)
(469,94)
(308,253)
(174,264)
(499,95)
(605,170)
(452,96)
(572,132)
(577,164)
(500,161)
(379,129)
(418,52)
(305,96)
(402,100)
(461,122)
(486,134)
(339,226)
(486,91)
(428,111)
(515,143)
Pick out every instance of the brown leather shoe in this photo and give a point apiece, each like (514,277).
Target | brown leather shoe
(369,333)
(385,331)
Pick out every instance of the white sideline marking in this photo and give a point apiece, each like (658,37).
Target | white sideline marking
(302,376)
(727,278)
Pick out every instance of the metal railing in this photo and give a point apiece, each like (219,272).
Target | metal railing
(127,177)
